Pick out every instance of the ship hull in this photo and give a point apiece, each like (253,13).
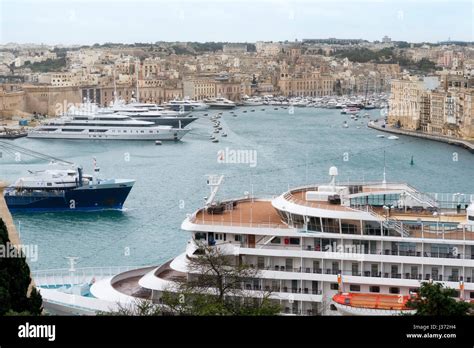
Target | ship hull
(175,134)
(175,122)
(221,106)
(80,199)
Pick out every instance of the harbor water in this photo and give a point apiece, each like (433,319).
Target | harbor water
(276,149)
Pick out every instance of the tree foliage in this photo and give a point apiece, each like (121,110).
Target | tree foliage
(436,300)
(49,65)
(14,282)
(215,286)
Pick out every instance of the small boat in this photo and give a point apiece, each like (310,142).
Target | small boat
(393,137)
(215,140)
(275,109)
(380,136)
(245,111)
(216,131)
(263,109)
(206,114)
(157,142)
(224,134)
(212,136)
(234,115)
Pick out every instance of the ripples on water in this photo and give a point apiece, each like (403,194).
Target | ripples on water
(292,149)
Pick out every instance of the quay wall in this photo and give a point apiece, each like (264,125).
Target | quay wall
(453,141)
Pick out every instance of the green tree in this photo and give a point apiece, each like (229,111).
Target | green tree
(436,300)
(215,286)
(15,280)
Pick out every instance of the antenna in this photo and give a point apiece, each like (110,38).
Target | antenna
(72,262)
(214,182)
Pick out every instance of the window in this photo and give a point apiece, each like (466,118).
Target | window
(394,290)
(200,235)
(261,262)
(295,241)
(374,288)
(276,240)
(237,237)
(471,294)
(353,287)
(334,286)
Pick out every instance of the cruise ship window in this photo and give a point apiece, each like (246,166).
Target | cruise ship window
(394,290)
(354,287)
(200,235)
(276,240)
(334,286)
(374,289)
(295,241)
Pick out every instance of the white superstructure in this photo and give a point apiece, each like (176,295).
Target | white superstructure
(104,126)
(352,248)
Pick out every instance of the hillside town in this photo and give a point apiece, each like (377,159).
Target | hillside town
(430,85)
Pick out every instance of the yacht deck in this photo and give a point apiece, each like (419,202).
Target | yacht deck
(245,213)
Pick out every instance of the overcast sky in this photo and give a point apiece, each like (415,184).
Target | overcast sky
(99,21)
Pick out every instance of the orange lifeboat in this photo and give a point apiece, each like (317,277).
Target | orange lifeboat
(371,304)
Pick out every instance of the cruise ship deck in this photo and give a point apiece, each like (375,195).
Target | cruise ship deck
(254,213)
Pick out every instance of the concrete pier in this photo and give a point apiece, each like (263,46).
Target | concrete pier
(453,141)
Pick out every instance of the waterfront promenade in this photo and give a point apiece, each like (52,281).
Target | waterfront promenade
(382,126)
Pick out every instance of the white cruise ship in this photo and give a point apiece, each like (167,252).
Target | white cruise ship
(104,127)
(331,249)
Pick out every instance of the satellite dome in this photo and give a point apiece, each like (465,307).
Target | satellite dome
(333,171)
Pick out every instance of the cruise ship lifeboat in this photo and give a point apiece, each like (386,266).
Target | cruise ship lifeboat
(371,304)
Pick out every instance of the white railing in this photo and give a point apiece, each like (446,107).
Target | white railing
(64,276)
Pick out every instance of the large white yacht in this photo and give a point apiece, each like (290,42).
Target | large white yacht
(220,103)
(150,112)
(333,249)
(186,105)
(105,127)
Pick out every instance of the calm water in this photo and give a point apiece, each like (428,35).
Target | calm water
(292,149)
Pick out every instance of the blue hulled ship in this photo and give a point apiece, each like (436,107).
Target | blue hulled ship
(66,190)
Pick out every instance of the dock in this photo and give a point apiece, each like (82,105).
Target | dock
(468,145)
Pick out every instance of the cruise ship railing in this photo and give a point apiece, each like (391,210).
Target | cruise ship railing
(406,275)
(65,276)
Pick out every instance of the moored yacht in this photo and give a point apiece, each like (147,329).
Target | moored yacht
(220,103)
(186,105)
(104,127)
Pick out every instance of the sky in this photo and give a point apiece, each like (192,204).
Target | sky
(127,21)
